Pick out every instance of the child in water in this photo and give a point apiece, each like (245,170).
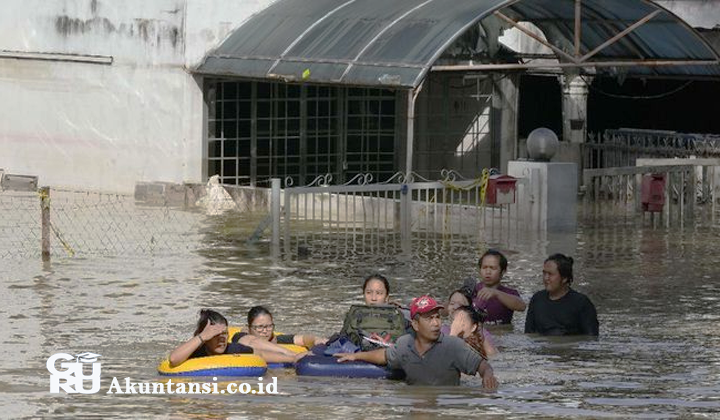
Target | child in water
(468,325)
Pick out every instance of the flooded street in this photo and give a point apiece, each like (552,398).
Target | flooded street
(656,291)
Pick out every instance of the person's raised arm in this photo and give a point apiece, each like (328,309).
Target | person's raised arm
(376,357)
(509,300)
(186,349)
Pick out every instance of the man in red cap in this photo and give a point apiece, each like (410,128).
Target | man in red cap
(427,356)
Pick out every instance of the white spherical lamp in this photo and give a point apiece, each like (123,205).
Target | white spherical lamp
(542,144)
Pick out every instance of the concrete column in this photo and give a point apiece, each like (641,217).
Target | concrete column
(552,194)
(574,102)
(574,107)
(504,119)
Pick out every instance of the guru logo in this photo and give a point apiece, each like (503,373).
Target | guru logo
(72,378)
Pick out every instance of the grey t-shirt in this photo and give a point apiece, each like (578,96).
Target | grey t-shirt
(441,365)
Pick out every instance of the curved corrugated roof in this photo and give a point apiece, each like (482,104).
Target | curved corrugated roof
(396,42)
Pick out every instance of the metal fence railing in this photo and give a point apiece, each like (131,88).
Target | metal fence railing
(359,216)
(617,148)
(671,191)
(398,211)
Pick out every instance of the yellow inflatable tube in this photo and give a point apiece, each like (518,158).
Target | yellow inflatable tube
(220,365)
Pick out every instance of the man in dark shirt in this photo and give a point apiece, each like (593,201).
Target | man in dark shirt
(559,310)
(427,356)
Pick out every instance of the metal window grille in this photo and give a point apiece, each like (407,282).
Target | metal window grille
(370,133)
(454,125)
(261,130)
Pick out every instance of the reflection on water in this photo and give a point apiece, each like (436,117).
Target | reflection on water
(656,292)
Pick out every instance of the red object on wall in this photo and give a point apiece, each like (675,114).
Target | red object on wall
(500,189)
(653,192)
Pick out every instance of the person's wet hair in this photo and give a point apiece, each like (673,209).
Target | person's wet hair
(380,277)
(564,265)
(466,292)
(255,312)
(209,315)
(477,316)
(495,253)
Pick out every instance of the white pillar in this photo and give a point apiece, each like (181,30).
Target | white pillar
(574,102)
(504,122)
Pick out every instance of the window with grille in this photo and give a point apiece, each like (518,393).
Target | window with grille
(261,130)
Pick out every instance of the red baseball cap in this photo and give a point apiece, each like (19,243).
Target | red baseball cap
(423,304)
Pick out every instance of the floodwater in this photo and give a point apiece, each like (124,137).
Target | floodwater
(657,292)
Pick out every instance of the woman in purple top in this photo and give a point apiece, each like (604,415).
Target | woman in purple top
(497,300)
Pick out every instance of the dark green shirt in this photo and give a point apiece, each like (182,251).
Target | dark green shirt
(441,365)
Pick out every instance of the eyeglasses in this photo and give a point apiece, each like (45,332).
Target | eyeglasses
(263,327)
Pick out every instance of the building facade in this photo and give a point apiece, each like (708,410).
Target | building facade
(101,95)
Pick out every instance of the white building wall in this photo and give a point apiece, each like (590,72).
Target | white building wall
(106,127)
(703,14)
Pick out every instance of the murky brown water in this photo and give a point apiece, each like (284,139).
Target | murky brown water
(657,292)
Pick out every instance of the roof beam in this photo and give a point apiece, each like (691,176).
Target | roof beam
(620,35)
(578,26)
(535,37)
(522,66)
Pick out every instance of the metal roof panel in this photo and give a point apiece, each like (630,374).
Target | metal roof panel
(395,42)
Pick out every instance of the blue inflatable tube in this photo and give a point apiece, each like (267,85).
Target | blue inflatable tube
(279,365)
(314,365)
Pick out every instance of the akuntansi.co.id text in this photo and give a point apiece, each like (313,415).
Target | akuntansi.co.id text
(127,386)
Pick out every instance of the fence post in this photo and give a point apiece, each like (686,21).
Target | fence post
(45,216)
(288,204)
(713,190)
(637,197)
(275,208)
(692,191)
(666,207)
(405,213)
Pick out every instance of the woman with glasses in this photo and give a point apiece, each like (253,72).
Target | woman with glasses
(261,325)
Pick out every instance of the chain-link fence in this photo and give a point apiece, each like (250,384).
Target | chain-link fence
(20,224)
(82,223)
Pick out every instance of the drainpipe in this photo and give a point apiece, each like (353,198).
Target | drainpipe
(406,193)
(412,97)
